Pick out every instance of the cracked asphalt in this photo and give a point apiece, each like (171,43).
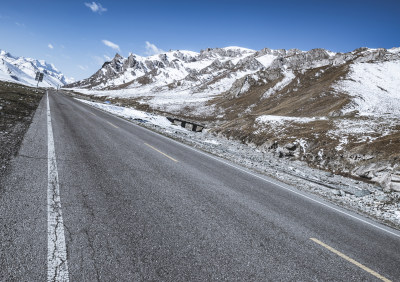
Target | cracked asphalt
(131,213)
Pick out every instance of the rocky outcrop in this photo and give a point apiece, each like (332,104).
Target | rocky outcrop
(384,174)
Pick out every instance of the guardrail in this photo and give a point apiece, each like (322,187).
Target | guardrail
(193,126)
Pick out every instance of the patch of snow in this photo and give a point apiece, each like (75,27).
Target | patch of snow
(363,130)
(214,142)
(245,87)
(343,141)
(330,53)
(282,119)
(130,113)
(375,88)
(303,144)
(266,60)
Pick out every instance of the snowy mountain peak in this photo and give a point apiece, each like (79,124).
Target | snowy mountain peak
(23,70)
(117,56)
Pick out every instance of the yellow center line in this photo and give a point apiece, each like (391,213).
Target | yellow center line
(377,275)
(171,158)
(112,124)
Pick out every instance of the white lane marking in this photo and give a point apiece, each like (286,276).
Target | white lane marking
(248,172)
(57,266)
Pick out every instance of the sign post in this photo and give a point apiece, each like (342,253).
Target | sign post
(39,77)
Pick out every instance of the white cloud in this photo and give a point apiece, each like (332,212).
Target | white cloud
(20,24)
(98,60)
(83,67)
(50,46)
(152,49)
(96,7)
(111,45)
(107,58)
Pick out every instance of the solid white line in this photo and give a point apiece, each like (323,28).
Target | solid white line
(57,266)
(248,172)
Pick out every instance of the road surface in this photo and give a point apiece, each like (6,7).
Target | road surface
(93,197)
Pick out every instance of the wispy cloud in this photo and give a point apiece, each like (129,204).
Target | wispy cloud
(152,49)
(98,60)
(111,45)
(20,24)
(107,58)
(50,46)
(83,67)
(96,7)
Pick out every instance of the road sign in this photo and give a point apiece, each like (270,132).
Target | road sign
(39,77)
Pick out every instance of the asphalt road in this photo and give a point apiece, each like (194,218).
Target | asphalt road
(137,206)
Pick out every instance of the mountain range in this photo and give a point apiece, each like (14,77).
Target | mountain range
(23,70)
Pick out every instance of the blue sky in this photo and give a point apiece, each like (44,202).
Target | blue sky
(72,34)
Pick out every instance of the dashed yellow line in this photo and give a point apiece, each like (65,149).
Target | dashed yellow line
(112,124)
(155,149)
(363,267)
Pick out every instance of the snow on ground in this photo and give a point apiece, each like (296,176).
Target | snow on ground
(375,88)
(343,141)
(283,119)
(364,127)
(362,130)
(130,113)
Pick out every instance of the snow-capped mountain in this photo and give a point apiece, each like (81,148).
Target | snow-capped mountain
(23,70)
(369,78)
(234,71)
(163,69)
